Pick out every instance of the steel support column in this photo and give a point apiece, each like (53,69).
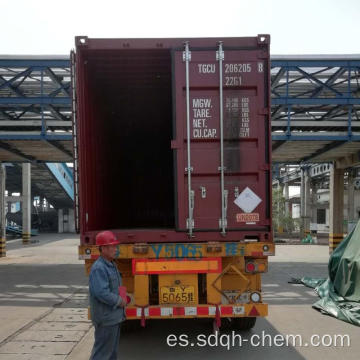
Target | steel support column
(336,231)
(71,221)
(287,203)
(2,211)
(313,213)
(26,203)
(351,200)
(305,206)
(60,221)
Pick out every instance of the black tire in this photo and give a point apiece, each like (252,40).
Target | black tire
(226,324)
(244,323)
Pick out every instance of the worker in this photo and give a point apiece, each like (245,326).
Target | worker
(106,305)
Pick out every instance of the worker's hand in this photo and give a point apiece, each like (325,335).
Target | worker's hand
(122,303)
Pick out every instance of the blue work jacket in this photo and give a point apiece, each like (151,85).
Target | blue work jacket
(104,282)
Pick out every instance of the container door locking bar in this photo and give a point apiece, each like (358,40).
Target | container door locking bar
(223,220)
(189,169)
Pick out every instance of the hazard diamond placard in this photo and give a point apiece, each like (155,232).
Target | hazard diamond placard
(247,200)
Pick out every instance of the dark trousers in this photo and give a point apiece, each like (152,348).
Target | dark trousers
(106,346)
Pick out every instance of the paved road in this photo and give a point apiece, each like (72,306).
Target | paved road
(290,312)
(43,316)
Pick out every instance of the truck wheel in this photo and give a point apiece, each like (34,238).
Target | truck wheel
(245,323)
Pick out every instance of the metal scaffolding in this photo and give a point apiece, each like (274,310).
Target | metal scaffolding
(316,103)
(315,107)
(35,105)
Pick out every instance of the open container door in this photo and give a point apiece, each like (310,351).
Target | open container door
(222,137)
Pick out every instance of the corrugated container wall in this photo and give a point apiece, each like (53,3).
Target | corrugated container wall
(137,100)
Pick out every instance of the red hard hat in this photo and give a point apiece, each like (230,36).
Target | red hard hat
(106,238)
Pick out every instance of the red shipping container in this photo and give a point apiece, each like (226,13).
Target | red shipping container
(138,102)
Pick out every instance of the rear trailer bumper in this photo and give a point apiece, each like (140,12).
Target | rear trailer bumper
(199,311)
(182,250)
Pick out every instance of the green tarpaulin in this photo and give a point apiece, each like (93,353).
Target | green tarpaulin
(340,292)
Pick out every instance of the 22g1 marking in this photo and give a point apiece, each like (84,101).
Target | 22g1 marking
(233,80)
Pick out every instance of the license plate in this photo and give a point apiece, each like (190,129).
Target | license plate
(177,295)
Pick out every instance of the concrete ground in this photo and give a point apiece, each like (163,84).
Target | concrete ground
(43,315)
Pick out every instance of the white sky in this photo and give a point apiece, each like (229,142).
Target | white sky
(296,27)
